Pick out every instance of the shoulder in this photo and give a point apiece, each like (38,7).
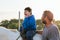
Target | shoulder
(32,17)
(53,27)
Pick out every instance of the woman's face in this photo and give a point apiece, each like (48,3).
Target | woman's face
(26,13)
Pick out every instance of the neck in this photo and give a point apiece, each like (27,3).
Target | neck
(29,15)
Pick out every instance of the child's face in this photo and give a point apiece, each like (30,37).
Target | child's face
(27,13)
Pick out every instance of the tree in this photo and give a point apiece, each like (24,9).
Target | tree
(39,24)
(13,26)
(5,23)
(13,21)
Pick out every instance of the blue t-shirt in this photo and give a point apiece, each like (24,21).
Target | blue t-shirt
(29,23)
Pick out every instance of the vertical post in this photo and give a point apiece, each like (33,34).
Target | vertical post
(19,21)
(19,25)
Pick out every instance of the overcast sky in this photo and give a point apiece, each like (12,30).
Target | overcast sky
(9,8)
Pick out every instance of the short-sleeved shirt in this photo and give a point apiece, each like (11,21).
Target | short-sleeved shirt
(50,33)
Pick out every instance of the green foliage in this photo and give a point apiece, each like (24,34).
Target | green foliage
(57,23)
(13,24)
(39,24)
(5,23)
(13,21)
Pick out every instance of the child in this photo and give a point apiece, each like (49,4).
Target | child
(29,25)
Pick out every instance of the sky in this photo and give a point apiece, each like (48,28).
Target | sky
(9,8)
